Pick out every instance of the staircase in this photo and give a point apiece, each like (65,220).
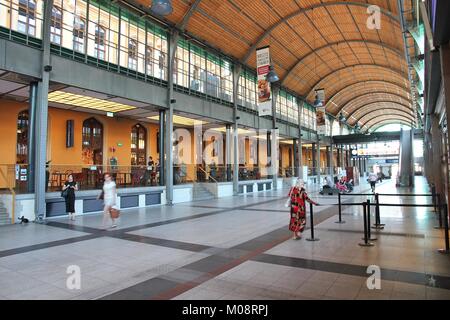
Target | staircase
(201,193)
(4,215)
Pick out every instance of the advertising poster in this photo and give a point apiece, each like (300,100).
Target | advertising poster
(264,91)
(320,120)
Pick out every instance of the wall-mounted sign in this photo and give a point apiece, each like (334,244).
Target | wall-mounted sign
(264,90)
(23,178)
(119,144)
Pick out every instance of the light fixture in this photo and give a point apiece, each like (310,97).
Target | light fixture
(272,75)
(162,7)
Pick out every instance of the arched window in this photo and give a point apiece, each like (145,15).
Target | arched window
(138,145)
(92,142)
(27,17)
(132,54)
(100,39)
(22,137)
(79,30)
(56,25)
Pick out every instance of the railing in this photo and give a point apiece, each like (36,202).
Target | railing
(88,177)
(5,179)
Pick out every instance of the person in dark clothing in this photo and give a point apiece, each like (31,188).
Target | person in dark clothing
(71,186)
(47,174)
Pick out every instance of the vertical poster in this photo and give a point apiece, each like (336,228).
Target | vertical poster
(320,118)
(264,92)
(320,111)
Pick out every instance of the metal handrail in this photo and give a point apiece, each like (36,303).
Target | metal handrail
(13,194)
(207,174)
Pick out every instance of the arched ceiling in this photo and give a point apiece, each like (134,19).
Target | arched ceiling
(314,44)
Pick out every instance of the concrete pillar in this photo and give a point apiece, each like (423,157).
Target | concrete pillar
(42,117)
(295,148)
(406,158)
(314,162)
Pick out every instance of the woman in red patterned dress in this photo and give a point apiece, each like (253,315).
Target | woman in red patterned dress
(298,198)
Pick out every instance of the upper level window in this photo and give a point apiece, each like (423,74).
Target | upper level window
(100,37)
(149,60)
(132,54)
(56,25)
(27,17)
(79,30)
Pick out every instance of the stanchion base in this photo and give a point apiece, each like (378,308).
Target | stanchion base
(444,251)
(370,244)
(371,239)
(377,227)
(438,227)
(311,239)
(340,222)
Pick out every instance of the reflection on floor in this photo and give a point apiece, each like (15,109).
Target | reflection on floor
(230,248)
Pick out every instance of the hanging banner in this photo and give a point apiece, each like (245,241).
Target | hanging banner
(264,92)
(320,120)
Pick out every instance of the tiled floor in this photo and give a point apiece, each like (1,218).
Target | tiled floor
(230,248)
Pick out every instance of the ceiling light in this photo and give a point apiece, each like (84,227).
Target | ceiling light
(272,75)
(162,7)
(77,100)
(182,121)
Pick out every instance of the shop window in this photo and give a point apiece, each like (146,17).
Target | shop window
(92,142)
(79,30)
(132,54)
(22,137)
(56,25)
(100,37)
(27,17)
(138,145)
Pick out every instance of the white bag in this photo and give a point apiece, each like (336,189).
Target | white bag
(288,203)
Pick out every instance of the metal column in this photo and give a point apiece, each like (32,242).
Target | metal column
(228,152)
(42,117)
(161,144)
(300,143)
(274,143)
(236,76)
(169,119)
(31,135)
(318,160)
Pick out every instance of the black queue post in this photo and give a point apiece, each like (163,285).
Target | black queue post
(366,242)
(311,214)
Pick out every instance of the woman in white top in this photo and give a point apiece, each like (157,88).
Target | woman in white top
(109,199)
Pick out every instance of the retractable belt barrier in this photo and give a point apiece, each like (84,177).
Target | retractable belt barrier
(439,208)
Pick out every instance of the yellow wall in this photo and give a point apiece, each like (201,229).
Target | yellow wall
(116,130)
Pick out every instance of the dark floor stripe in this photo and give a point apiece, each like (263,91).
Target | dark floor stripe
(46,245)
(356,270)
(164,242)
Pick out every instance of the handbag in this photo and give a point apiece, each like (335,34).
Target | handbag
(114,212)
(65,193)
(101,196)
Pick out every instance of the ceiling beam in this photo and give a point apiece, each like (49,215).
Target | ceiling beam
(183,23)
(394,107)
(385,69)
(391,116)
(383,122)
(403,112)
(369,102)
(369,82)
(305,10)
(328,45)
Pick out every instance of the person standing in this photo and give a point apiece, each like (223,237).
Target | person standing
(373,178)
(109,199)
(298,197)
(71,186)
